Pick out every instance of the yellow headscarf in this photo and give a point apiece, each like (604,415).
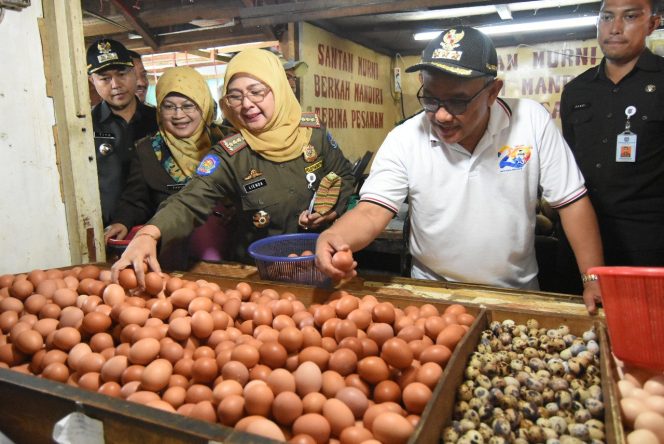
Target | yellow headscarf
(185,80)
(282,139)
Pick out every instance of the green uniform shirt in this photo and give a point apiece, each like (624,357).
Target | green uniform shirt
(268,196)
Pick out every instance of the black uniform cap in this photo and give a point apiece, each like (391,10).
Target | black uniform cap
(105,53)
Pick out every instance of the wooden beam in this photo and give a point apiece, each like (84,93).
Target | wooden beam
(137,23)
(67,83)
(296,11)
(208,55)
(162,16)
(206,38)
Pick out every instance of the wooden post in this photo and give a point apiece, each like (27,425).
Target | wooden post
(66,82)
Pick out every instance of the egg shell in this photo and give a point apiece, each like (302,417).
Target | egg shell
(65,338)
(395,352)
(355,435)
(144,351)
(113,368)
(392,428)
(651,421)
(313,402)
(156,375)
(314,425)
(355,399)
(625,387)
(287,407)
(308,378)
(230,410)
(642,436)
(655,385)
(631,408)
(267,428)
(338,415)
(29,341)
(110,388)
(415,397)
(343,361)
(373,369)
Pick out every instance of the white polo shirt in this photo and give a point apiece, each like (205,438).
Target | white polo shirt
(473,215)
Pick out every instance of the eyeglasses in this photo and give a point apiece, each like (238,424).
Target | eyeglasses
(169,108)
(254,96)
(452,106)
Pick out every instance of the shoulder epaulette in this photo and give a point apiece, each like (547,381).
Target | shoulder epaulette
(310,120)
(233,144)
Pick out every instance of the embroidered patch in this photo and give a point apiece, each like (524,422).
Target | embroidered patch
(309,153)
(208,165)
(581,106)
(333,143)
(448,46)
(310,120)
(316,166)
(513,158)
(253,186)
(233,144)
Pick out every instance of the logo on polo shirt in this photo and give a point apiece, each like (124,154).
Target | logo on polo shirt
(513,158)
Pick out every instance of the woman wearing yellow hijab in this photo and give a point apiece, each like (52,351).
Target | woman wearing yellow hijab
(165,162)
(280,169)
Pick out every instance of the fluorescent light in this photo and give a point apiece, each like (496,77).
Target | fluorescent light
(544,25)
(504,12)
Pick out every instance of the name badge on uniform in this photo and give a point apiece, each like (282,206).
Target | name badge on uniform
(626,141)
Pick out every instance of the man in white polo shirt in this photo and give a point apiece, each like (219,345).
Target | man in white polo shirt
(470,166)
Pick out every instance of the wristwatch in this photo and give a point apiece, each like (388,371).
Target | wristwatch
(588,277)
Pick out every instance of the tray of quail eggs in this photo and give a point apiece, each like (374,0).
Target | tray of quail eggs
(527,384)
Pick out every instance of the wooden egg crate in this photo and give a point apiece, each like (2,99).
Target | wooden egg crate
(31,406)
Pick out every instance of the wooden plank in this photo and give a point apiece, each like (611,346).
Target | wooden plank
(137,23)
(62,35)
(163,16)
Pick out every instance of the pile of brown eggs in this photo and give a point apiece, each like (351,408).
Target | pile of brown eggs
(527,384)
(353,370)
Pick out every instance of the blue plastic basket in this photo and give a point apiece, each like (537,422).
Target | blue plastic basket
(271,256)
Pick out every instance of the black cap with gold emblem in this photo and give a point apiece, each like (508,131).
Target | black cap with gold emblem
(461,51)
(105,53)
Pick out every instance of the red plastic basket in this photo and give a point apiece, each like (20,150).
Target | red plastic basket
(633,299)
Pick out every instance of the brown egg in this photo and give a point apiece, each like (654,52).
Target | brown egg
(338,415)
(7,320)
(322,313)
(281,380)
(450,336)
(90,381)
(110,388)
(113,294)
(373,369)
(156,375)
(127,279)
(395,352)
(343,361)
(204,370)
(332,382)
(33,304)
(361,318)
(65,338)
(355,435)
(380,332)
(301,439)
(180,328)
(230,410)
(308,378)
(154,283)
(318,355)
(273,354)
(258,398)
(383,312)
(311,337)
(175,396)
(96,322)
(392,428)
(355,399)
(246,354)
(113,368)
(314,425)
(133,315)
(429,374)
(651,421)
(344,329)
(265,427)
(197,393)
(71,317)
(354,380)
(226,388)
(21,289)
(415,397)
(50,310)
(11,304)
(29,341)
(56,371)
(235,370)
(439,354)
(144,351)
(387,391)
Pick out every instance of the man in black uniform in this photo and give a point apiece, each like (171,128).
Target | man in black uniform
(118,121)
(613,119)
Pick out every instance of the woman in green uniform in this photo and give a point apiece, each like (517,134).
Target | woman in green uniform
(163,163)
(279,169)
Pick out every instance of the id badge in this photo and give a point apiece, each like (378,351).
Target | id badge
(626,147)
